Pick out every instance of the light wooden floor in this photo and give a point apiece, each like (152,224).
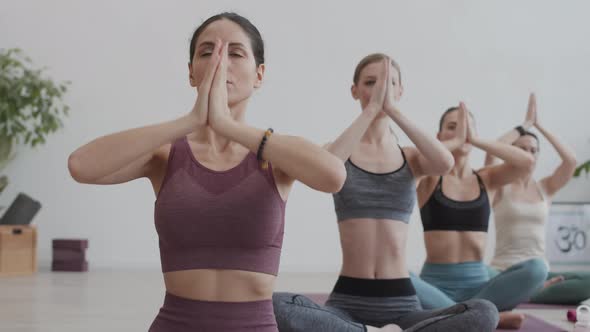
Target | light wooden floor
(121,300)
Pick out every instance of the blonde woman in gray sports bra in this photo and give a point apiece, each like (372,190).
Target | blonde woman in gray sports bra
(373,210)
(521,210)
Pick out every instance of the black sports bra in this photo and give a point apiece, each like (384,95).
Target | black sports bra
(441,213)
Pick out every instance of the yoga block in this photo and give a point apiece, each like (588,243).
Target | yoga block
(18,250)
(69,250)
(69,255)
(61,255)
(69,266)
(74,244)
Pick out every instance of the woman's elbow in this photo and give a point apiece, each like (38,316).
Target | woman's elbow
(76,169)
(332,175)
(528,164)
(442,166)
(336,178)
(446,165)
(572,161)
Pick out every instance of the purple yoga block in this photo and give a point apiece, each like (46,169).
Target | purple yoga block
(74,244)
(70,266)
(68,255)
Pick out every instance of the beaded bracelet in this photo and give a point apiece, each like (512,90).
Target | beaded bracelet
(267,134)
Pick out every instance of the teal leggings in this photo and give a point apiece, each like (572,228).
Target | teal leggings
(442,285)
(571,291)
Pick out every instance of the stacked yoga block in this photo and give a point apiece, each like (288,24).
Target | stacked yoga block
(69,255)
(18,250)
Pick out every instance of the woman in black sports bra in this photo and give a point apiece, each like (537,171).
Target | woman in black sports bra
(455,211)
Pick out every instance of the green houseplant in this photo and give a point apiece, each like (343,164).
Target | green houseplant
(31,105)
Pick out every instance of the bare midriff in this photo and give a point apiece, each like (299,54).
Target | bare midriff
(373,248)
(220,285)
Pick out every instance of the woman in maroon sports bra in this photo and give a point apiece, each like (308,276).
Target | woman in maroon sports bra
(220,186)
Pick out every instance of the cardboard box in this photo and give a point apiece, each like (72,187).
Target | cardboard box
(18,250)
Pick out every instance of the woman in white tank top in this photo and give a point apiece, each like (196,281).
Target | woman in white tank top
(521,210)
(520,227)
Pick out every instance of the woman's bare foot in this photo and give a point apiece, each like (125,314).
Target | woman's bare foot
(386,328)
(510,320)
(553,281)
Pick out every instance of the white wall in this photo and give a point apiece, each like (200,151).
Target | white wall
(127,61)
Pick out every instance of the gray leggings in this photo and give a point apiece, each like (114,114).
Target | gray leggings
(346,313)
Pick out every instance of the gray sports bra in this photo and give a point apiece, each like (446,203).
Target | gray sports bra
(376,195)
